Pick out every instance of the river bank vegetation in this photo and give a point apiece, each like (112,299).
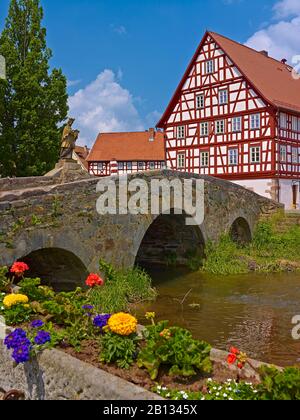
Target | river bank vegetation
(160,357)
(275,247)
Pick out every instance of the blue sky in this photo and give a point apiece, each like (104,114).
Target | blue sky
(124,58)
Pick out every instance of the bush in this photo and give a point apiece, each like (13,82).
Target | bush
(174,348)
(276,385)
(33,289)
(118,349)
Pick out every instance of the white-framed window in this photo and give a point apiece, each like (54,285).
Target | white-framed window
(223,96)
(204,129)
(100,166)
(255,154)
(141,165)
(152,166)
(204,159)
(233,156)
(294,123)
(200,101)
(283,120)
(220,127)
(181,132)
(255,121)
(210,66)
(237,124)
(121,166)
(129,166)
(295,155)
(181,160)
(283,154)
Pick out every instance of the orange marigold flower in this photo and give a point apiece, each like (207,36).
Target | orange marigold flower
(94,280)
(19,268)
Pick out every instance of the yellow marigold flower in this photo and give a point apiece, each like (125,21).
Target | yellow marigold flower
(12,300)
(122,324)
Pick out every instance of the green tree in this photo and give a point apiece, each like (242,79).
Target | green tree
(33,100)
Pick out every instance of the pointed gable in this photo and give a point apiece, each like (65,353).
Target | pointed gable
(271,79)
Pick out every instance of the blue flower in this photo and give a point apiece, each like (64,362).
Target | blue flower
(21,354)
(17,339)
(42,338)
(101,321)
(37,324)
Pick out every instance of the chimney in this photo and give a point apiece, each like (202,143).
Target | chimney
(265,53)
(284,61)
(151,134)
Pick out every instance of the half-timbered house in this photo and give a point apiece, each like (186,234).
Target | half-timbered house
(126,153)
(236,115)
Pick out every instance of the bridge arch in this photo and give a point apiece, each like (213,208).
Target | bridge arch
(57,267)
(240,231)
(168,240)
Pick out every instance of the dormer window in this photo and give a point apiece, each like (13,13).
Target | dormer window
(210,67)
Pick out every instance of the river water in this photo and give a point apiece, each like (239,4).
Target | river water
(252,312)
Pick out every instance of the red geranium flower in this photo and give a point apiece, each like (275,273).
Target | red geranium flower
(19,268)
(94,280)
(240,365)
(233,350)
(231,359)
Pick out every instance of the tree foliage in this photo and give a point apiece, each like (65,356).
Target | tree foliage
(33,99)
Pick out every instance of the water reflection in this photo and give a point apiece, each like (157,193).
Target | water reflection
(253,312)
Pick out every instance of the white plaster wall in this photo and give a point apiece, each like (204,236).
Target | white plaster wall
(260,186)
(286,194)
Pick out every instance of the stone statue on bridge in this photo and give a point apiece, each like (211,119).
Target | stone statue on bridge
(68,141)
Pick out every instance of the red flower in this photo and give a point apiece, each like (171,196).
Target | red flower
(231,359)
(240,365)
(235,351)
(94,280)
(19,268)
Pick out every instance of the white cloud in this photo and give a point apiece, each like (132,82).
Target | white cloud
(281,38)
(104,106)
(287,8)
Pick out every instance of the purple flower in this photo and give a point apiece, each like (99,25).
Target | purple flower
(87,307)
(37,324)
(42,338)
(101,321)
(17,339)
(21,354)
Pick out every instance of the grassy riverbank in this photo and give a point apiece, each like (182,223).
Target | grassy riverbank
(275,248)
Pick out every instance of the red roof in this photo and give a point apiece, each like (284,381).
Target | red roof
(128,147)
(272,79)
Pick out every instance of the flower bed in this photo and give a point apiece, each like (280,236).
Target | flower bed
(158,357)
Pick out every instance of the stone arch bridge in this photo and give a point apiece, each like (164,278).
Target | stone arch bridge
(56,229)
